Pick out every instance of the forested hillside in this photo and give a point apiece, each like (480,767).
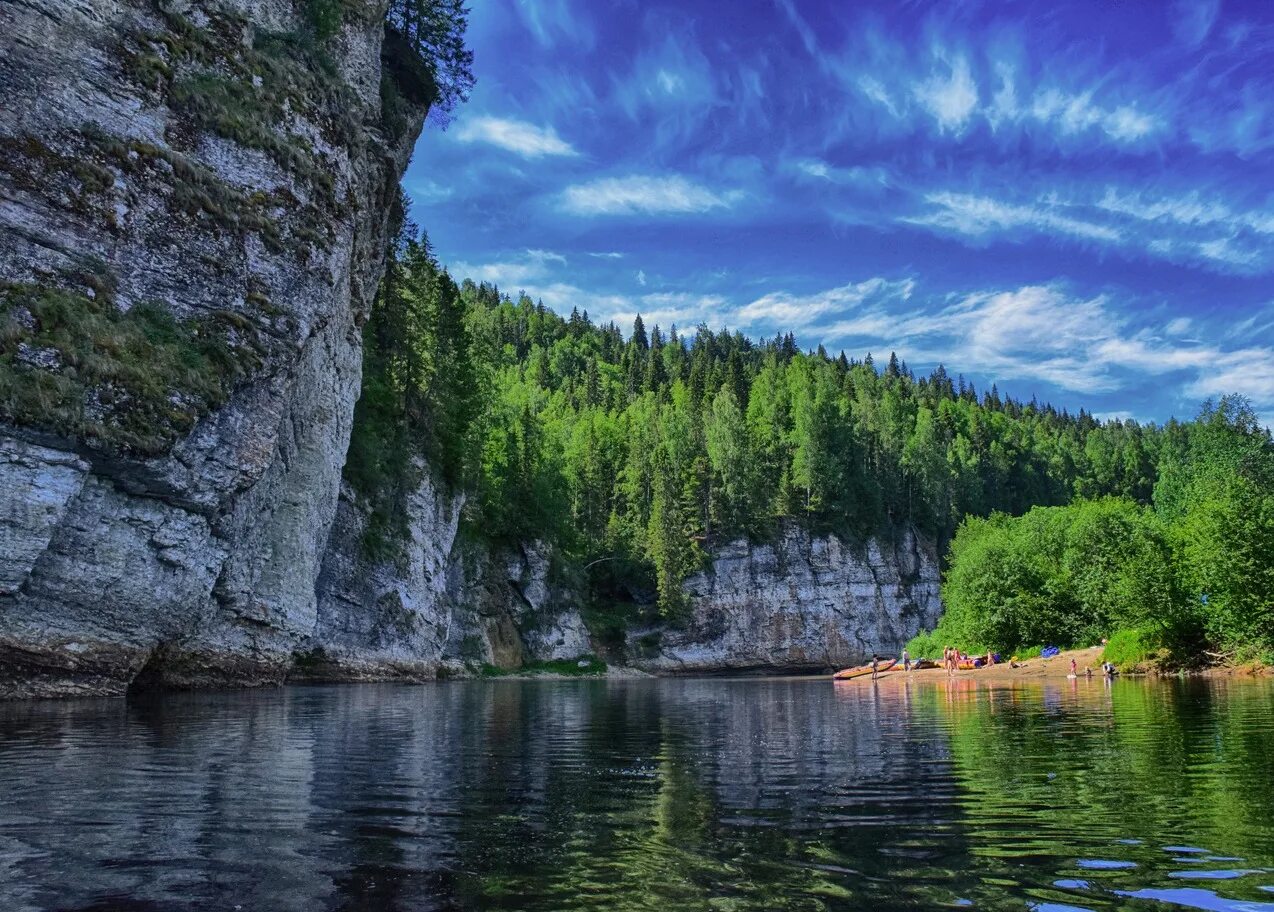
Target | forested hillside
(647,445)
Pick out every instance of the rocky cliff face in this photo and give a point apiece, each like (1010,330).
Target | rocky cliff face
(443,604)
(193,210)
(801,604)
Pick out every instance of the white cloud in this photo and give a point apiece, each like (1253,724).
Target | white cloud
(529,267)
(950,97)
(426,191)
(1036,332)
(638,194)
(685,310)
(1073,113)
(607,255)
(979,215)
(641,277)
(1183,229)
(1003,108)
(875,90)
(795,311)
(870,178)
(516,136)
(1190,209)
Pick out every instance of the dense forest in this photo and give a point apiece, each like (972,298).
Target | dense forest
(646,447)
(1189,577)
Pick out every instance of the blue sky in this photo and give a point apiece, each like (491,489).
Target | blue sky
(1072,200)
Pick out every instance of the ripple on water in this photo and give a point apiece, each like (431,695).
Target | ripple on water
(1211,875)
(1105,864)
(1196,898)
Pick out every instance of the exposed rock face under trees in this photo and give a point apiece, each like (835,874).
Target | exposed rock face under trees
(803,603)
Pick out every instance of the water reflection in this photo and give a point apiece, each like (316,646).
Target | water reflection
(644,795)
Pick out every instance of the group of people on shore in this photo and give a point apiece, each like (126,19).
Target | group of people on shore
(952,657)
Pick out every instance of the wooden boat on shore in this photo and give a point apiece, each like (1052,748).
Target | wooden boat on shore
(847,674)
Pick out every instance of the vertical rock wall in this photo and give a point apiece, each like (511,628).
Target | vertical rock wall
(189,155)
(802,604)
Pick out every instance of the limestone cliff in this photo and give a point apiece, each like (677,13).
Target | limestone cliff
(194,201)
(801,604)
(444,603)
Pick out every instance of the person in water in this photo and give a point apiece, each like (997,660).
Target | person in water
(875,667)
(906,660)
(1074,668)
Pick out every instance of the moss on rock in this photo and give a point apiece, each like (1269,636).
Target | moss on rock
(133,381)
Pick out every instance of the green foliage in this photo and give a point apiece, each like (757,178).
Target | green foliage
(608,623)
(1218,487)
(420,394)
(1132,649)
(129,381)
(441,66)
(1194,574)
(1058,575)
(325,17)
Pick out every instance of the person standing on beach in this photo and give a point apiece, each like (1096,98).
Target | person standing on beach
(906,659)
(875,667)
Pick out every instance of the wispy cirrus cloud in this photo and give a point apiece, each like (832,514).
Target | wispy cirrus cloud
(643,195)
(1085,344)
(1180,229)
(978,216)
(792,311)
(960,88)
(517,271)
(517,136)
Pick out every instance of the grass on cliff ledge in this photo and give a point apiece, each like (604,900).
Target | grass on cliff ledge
(130,381)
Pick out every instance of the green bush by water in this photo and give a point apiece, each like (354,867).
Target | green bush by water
(1133,649)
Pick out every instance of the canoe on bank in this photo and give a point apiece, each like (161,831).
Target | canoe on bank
(857,672)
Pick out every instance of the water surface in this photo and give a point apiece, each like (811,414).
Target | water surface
(659,795)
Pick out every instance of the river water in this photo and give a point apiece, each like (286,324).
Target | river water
(659,795)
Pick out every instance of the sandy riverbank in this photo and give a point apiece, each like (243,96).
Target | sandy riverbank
(1059,666)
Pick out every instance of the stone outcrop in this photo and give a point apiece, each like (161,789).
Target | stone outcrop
(186,155)
(441,604)
(802,604)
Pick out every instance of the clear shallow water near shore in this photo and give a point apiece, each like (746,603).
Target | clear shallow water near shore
(662,795)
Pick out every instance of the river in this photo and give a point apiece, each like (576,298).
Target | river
(646,794)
